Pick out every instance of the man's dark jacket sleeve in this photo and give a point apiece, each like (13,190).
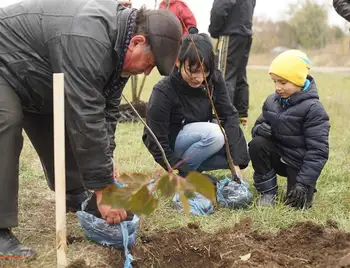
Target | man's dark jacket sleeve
(218,16)
(342,7)
(112,114)
(82,60)
(158,119)
(229,117)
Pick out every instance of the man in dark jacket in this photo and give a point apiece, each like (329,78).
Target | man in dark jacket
(290,138)
(342,7)
(97,45)
(231,22)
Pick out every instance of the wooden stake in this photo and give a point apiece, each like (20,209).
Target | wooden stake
(60,168)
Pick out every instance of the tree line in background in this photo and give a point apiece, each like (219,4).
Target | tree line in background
(306,27)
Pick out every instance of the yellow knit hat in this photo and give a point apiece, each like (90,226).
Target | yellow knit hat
(292,65)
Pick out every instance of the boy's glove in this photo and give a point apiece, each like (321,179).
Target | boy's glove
(263,130)
(297,196)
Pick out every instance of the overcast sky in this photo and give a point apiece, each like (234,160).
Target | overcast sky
(274,9)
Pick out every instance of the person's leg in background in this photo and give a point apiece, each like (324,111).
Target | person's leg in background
(235,57)
(11,142)
(266,163)
(241,100)
(215,162)
(197,142)
(39,129)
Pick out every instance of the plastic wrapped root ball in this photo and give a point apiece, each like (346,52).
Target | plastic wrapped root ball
(231,194)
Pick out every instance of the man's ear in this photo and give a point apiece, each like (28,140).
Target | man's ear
(177,63)
(137,40)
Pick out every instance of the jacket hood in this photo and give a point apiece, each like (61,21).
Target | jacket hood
(309,93)
(123,15)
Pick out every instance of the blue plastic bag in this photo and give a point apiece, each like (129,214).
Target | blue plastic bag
(199,205)
(120,236)
(231,194)
(99,231)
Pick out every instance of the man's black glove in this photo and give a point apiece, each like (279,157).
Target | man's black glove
(263,130)
(297,197)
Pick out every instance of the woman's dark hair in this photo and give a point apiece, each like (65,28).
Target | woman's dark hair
(205,50)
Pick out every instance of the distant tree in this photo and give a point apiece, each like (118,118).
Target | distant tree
(265,35)
(286,34)
(310,22)
(335,33)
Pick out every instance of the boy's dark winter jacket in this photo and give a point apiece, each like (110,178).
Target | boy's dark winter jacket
(300,128)
(173,103)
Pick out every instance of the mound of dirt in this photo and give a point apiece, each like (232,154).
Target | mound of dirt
(301,245)
(127,114)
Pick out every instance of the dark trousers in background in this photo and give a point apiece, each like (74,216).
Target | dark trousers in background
(265,156)
(39,129)
(233,59)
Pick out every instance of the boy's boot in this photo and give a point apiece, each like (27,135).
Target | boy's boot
(266,185)
(10,245)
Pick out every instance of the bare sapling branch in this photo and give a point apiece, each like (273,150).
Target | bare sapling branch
(153,135)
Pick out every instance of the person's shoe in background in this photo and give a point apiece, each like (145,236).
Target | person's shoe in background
(11,247)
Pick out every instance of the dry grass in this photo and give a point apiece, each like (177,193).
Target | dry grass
(334,55)
(37,222)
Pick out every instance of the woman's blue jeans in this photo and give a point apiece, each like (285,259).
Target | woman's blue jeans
(201,146)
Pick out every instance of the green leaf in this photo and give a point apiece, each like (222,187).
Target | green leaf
(143,202)
(201,184)
(185,203)
(117,197)
(189,194)
(167,186)
(134,181)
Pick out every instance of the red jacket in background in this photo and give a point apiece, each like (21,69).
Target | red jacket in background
(183,12)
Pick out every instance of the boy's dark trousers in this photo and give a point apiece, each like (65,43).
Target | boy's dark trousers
(235,72)
(265,157)
(39,129)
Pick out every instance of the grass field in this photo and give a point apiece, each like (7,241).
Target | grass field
(332,202)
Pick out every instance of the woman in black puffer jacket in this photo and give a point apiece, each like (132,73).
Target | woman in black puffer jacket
(180,114)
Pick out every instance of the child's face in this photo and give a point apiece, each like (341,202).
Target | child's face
(283,87)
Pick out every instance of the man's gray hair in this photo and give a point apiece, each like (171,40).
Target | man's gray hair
(140,26)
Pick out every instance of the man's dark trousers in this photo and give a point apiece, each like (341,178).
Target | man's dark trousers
(39,129)
(236,74)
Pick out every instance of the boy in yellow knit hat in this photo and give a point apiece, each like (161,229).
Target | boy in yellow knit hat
(290,138)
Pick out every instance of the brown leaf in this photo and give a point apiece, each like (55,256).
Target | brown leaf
(117,197)
(167,186)
(202,185)
(143,202)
